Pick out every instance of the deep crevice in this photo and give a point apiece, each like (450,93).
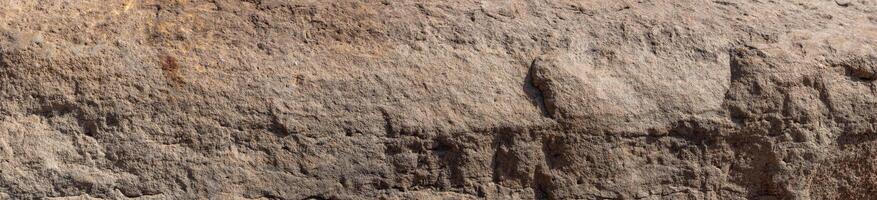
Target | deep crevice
(860,68)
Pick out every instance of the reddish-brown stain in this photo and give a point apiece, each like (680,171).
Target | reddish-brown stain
(171,68)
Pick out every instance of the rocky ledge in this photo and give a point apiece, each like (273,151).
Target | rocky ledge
(459,99)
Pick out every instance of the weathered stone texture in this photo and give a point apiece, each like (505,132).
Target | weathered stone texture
(414,99)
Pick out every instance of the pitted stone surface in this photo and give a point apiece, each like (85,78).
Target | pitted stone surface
(380,99)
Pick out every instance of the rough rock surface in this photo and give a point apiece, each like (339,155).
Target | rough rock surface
(418,99)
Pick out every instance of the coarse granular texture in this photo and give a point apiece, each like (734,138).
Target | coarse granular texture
(422,99)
